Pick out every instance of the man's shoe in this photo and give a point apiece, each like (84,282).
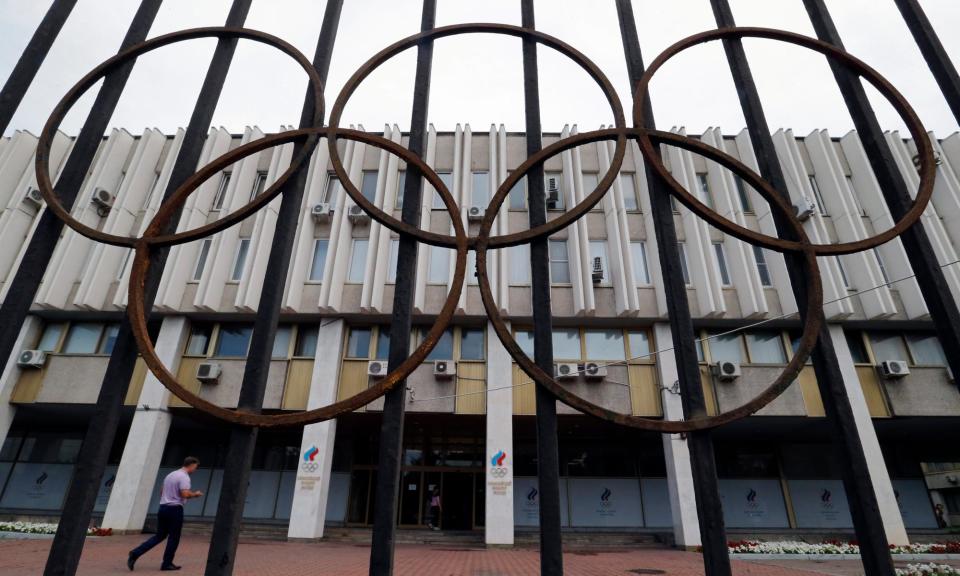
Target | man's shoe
(169,567)
(131,560)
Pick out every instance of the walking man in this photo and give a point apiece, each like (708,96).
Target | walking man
(176,491)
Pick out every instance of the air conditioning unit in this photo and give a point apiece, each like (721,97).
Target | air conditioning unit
(553,191)
(33,196)
(893,368)
(102,198)
(597,270)
(356,215)
(444,369)
(377,368)
(208,372)
(321,212)
(565,370)
(726,371)
(936,159)
(32,358)
(594,371)
(805,209)
(475,213)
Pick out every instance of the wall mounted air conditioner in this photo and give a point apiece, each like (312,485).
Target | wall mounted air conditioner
(443,369)
(565,370)
(321,212)
(208,372)
(726,371)
(377,368)
(893,369)
(594,371)
(475,214)
(356,215)
(33,196)
(32,358)
(597,270)
(102,198)
(553,192)
(805,209)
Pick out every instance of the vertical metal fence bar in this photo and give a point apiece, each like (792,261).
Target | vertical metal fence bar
(857,483)
(68,544)
(23,287)
(716,558)
(243,440)
(548,452)
(394,406)
(931,48)
(936,293)
(17,84)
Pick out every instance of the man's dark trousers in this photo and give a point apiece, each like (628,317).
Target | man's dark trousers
(169,523)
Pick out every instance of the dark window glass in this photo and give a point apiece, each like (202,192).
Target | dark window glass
(383,343)
(857,348)
(358,344)
(234,340)
(471,344)
(444,347)
(83,338)
(306,341)
(199,340)
(109,339)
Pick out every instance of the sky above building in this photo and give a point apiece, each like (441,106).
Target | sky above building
(477,79)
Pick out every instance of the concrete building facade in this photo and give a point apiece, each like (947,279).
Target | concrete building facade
(470,433)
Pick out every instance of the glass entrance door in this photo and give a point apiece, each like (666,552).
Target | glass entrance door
(457,501)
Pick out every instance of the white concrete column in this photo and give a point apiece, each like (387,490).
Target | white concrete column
(133,489)
(309,510)
(498,527)
(676,453)
(880,478)
(29,332)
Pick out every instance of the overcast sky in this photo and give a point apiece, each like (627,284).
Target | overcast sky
(477,79)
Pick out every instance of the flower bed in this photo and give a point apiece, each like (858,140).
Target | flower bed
(44,528)
(928,570)
(836,547)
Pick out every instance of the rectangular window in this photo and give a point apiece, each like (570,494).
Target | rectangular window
(590,181)
(684,265)
(853,194)
(332,191)
(518,195)
(444,348)
(817,195)
(439,271)
(843,273)
(123,265)
(858,350)
(234,340)
(221,191)
(306,346)
(109,339)
(358,343)
(82,338)
(383,343)
(726,347)
(638,253)
(766,347)
(524,339)
(744,196)
(471,271)
(368,186)
(629,189)
(926,350)
(674,205)
(480,191)
(401,186)
(281,342)
(553,189)
(762,269)
(703,183)
(392,264)
(259,183)
(319,261)
(519,264)
(199,340)
(598,249)
(883,269)
(358,261)
(888,346)
(153,190)
(447,179)
(566,344)
(241,260)
(604,344)
(559,262)
(639,345)
(202,256)
(51,337)
(471,344)
(722,263)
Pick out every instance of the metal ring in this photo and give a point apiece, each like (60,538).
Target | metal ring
(141,264)
(812,319)
(66,103)
(899,103)
(444,240)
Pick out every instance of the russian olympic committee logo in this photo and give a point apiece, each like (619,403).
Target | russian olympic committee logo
(309,465)
(605,498)
(497,468)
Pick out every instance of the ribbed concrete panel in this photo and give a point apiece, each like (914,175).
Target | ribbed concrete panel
(426,206)
(800,190)
(946,190)
(775,263)
(73,253)
(378,255)
(618,240)
(579,240)
(656,274)
(496,260)
(739,255)
(862,268)
(575,236)
(106,261)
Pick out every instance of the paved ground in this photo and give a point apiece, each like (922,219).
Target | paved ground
(106,556)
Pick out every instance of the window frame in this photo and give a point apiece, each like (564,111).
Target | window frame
(220,196)
(240,260)
(313,261)
(565,261)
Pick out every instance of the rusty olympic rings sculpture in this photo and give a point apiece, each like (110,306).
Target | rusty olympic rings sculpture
(156,236)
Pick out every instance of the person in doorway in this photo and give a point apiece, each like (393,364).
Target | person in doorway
(175,492)
(435,508)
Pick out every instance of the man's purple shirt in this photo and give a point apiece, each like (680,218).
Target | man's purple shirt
(172,485)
